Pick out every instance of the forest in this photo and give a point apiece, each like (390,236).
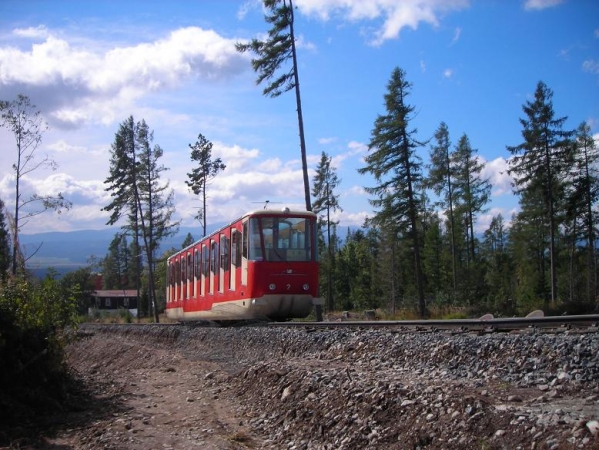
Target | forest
(420,251)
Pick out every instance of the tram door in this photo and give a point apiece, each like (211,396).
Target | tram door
(235,272)
(244,257)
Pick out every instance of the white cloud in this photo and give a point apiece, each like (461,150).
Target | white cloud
(530,5)
(353,219)
(592,66)
(302,43)
(98,85)
(496,172)
(456,36)
(396,14)
(32,32)
(357,147)
(447,73)
(327,141)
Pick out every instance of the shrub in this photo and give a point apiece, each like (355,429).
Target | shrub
(33,317)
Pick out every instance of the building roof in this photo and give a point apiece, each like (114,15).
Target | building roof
(115,293)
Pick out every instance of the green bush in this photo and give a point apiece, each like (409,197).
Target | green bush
(33,319)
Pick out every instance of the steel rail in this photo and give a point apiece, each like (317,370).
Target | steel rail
(591,320)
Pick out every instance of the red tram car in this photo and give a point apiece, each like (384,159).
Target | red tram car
(261,266)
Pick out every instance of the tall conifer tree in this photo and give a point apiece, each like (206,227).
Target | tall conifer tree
(393,162)
(472,192)
(440,181)
(540,162)
(207,169)
(272,55)
(325,201)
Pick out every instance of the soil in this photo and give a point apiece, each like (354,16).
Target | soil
(235,389)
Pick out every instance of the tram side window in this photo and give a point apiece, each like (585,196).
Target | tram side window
(205,265)
(224,252)
(214,257)
(183,269)
(197,264)
(236,248)
(255,243)
(189,266)
(244,244)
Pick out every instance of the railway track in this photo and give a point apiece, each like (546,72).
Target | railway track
(534,322)
(579,323)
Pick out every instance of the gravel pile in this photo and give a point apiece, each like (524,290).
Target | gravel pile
(352,388)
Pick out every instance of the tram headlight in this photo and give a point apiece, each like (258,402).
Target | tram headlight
(306,286)
(272,286)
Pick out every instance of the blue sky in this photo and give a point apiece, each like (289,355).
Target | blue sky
(472,64)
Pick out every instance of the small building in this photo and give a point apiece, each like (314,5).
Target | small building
(115,300)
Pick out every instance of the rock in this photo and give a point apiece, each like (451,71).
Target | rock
(593,426)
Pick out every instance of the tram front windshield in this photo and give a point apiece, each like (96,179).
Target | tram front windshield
(280,239)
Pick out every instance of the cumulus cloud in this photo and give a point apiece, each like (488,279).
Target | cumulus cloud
(396,15)
(531,5)
(496,172)
(90,85)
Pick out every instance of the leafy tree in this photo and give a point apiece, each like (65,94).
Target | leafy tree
(325,183)
(271,56)
(79,284)
(539,163)
(393,162)
(207,169)
(25,123)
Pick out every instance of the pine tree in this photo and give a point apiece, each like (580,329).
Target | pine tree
(138,194)
(123,187)
(499,274)
(325,183)
(539,163)
(440,180)
(114,264)
(271,56)
(471,191)
(393,162)
(206,170)
(582,199)
(156,203)
(187,241)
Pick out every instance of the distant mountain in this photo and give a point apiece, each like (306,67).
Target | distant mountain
(68,251)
